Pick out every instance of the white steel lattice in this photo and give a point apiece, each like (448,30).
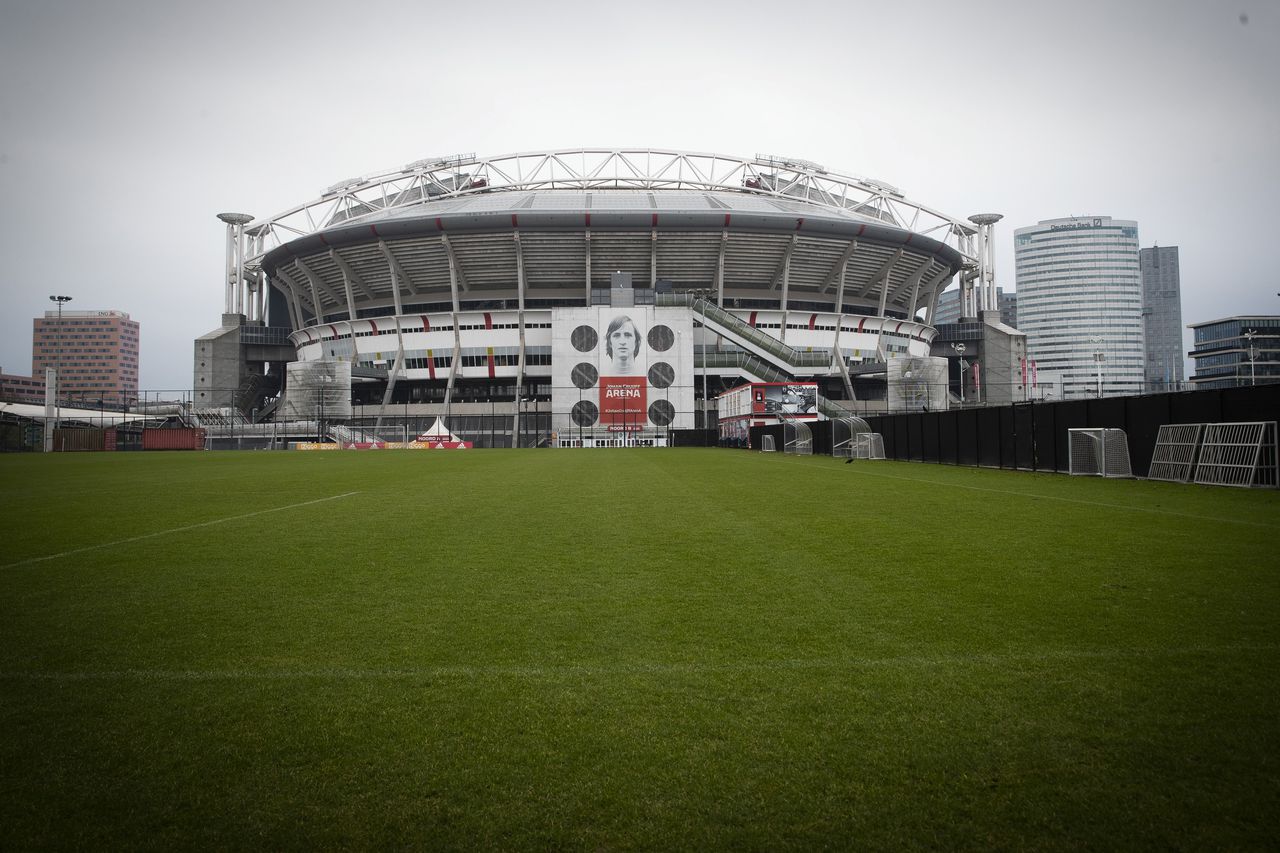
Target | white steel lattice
(1099,452)
(435,178)
(1239,454)
(1174,457)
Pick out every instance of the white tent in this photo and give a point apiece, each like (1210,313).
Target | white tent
(438,432)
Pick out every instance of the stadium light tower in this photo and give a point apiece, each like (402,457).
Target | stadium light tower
(1249,336)
(235,260)
(986,260)
(57,364)
(1098,356)
(960,348)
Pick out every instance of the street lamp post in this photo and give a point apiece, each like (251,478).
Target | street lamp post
(960,348)
(57,366)
(1098,356)
(706,400)
(1249,335)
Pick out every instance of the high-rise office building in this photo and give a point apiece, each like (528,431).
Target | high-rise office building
(1079,289)
(1162,317)
(96,353)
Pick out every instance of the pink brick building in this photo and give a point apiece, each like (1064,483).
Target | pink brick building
(97,352)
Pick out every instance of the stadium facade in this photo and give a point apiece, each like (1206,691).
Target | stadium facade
(594,291)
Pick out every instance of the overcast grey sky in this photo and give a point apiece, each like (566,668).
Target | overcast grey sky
(126,126)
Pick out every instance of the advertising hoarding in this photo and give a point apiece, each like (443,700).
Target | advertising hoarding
(622,369)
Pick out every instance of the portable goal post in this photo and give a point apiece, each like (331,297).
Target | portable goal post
(1098,452)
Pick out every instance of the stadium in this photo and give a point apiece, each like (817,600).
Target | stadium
(481,291)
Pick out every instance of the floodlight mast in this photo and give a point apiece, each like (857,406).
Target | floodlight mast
(1098,356)
(1249,335)
(987,300)
(57,371)
(234,302)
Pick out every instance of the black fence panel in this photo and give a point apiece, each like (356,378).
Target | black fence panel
(967,437)
(915,438)
(1073,414)
(1043,444)
(948,449)
(1024,436)
(694,438)
(1254,403)
(1143,418)
(1033,435)
(988,437)
(1196,407)
(1107,412)
(901,442)
(822,437)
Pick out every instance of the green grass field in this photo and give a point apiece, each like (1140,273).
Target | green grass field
(616,650)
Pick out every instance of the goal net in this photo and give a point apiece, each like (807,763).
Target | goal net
(1098,451)
(868,446)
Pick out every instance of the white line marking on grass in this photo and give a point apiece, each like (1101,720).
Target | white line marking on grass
(173,530)
(572,670)
(1048,497)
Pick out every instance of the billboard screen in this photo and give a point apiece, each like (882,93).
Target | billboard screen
(792,399)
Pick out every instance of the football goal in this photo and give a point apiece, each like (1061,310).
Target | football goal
(1098,452)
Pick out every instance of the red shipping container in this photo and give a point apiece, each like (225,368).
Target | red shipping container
(183,438)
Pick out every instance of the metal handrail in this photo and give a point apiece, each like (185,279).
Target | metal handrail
(788,356)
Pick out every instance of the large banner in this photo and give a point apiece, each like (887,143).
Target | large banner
(622,369)
(791,399)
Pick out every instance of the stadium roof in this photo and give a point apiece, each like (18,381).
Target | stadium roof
(663,215)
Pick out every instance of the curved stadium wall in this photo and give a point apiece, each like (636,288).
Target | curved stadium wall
(481,293)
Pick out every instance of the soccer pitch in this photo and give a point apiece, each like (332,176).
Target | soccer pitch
(630,649)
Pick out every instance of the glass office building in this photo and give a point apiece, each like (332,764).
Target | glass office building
(1162,317)
(1080,303)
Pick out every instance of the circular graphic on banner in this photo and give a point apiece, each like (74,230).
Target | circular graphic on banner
(584,413)
(584,339)
(584,375)
(661,413)
(661,338)
(661,375)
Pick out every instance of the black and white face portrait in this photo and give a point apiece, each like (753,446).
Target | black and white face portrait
(622,343)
